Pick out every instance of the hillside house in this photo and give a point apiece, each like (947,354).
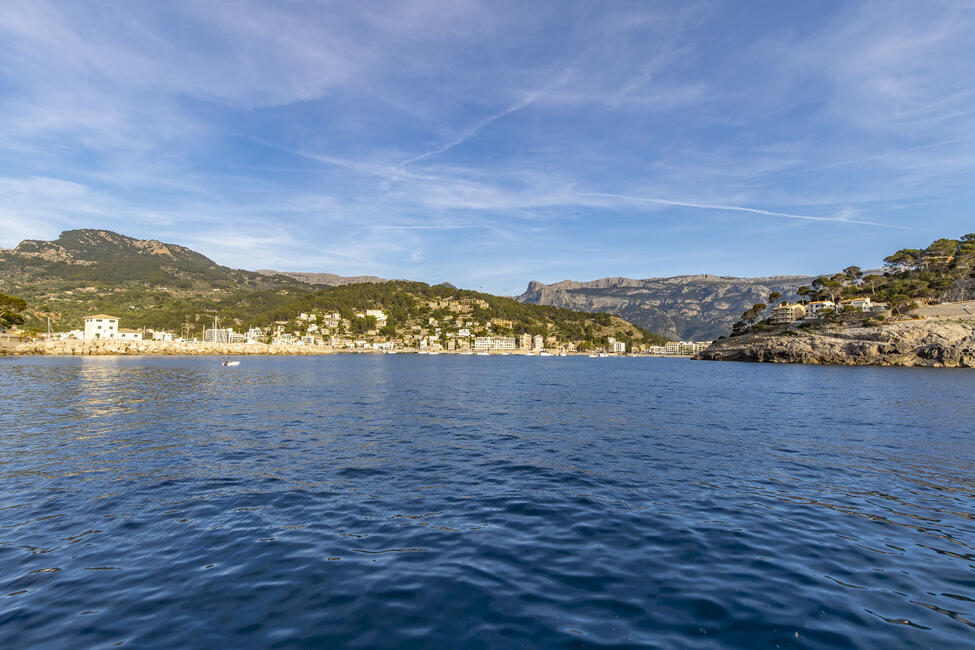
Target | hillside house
(786,313)
(814,308)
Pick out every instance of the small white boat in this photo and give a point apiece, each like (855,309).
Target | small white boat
(603,354)
(593,356)
(228,362)
(544,354)
(482,354)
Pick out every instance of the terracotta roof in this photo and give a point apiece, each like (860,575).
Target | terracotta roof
(101,316)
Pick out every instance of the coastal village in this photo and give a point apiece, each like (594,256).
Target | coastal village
(367,331)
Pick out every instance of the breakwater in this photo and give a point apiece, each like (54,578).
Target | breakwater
(73,347)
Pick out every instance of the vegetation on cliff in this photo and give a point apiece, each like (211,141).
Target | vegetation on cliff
(945,270)
(145,282)
(10,310)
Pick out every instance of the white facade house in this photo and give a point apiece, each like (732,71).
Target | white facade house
(815,307)
(615,346)
(129,335)
(100,326)
(379,315)
(861,304)
(538,342)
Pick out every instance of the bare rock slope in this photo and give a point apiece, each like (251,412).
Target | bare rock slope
(945,343)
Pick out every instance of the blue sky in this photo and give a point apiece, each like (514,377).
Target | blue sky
(491,143)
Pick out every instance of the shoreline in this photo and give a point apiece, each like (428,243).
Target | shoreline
(936,342)
(73,348)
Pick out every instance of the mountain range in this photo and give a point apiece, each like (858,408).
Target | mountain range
(686,307)
(156,284)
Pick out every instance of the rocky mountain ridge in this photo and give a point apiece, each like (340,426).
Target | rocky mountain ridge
(328,279)
(697,307)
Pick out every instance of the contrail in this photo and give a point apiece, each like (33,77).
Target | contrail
(738,208)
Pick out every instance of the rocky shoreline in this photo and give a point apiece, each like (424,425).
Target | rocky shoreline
(925,343)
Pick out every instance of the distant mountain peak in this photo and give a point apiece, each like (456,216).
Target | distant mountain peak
(89,245)
(328,279)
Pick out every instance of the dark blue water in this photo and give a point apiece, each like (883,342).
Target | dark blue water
(397,501)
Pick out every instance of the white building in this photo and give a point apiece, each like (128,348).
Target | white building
(538,342)
(129,335)
(216,335)
(617,346)
(379,315)
(817,306)
(503,343)
(101,326)
(161,335)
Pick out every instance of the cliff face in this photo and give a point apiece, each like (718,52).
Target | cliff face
(328,279)
(930,343)
(697,307)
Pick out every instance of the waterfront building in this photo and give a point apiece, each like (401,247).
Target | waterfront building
(221,335)
(525,341)
(502,343)
(538,342)
(129,335)
(100,326)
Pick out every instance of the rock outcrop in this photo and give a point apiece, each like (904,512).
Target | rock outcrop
(328,279)
(929,343)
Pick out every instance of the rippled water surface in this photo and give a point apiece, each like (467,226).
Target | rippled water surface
(400,501)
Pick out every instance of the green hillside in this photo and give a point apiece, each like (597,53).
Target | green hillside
(150,284)
(145,282)
(410,305)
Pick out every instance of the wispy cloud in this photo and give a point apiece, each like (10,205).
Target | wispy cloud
(737,208)
(379,137)
(471,132)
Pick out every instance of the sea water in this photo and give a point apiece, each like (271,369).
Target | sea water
(448,501)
